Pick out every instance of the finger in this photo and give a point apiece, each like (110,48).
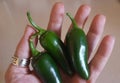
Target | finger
(101,57)
(56,18)
(82,15)
(23,51)
(95,32)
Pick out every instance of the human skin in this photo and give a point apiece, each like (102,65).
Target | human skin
(16,74)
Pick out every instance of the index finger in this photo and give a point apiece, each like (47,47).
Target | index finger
(56,18)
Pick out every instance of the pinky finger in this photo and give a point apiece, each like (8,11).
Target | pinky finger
(101,57)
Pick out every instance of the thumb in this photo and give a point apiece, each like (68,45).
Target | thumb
(22,49)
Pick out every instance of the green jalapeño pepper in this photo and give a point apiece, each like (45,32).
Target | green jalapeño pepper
(44,66)
(77,47)
(53,45)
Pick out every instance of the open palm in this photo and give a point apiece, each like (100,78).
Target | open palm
(17,74)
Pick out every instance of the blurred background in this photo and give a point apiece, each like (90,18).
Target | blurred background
(13,21)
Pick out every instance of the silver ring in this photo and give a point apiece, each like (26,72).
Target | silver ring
(21,62)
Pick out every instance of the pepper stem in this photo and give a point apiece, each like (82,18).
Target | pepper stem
(32,48)
(34,24)
(72,19)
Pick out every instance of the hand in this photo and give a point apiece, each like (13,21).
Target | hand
(17,74)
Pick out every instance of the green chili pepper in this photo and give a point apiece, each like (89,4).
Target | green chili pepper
(44,66)
(77,47)
(52,44)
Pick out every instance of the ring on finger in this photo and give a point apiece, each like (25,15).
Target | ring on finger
(21,62)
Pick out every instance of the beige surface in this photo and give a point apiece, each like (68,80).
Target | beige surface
(13,21)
